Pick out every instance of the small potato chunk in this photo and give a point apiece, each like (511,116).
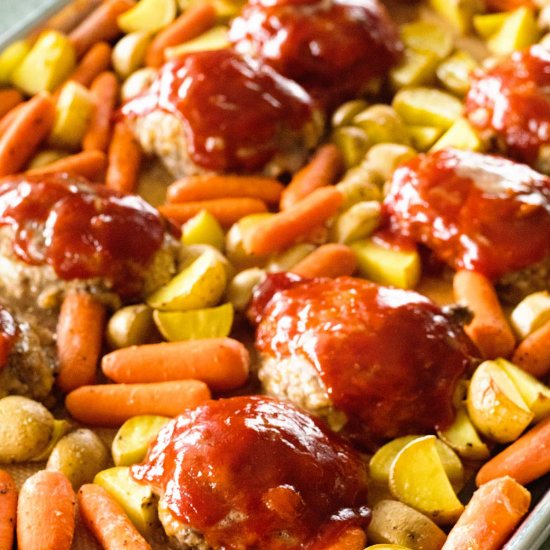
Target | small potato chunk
(10,58)
(130,326)
(133,438)
(148,16)
(129,53)
(79,455)
(531,313)
(241,287)
(418,478)
(495,406)
(136,499)
(26,428)
(203,229)
(60,428)
(213,39)
(395,523)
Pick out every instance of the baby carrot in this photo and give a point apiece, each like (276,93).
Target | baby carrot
(329,260)
(89,164)
(79,338)
(226,211)
(215,186)
(525,460)
(104,517)
(489,329)
(29,127)
(285,228)
(196,20)
(96,60)
(8,507)
(100,25)
(124,159)
(222,363)
(111,405)
(323,169)
(46,512)
(533,353)
(105,90)
(351,539)
(490,517)
(9,98)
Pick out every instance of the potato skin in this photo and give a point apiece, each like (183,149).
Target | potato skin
(80,455)
(26,427)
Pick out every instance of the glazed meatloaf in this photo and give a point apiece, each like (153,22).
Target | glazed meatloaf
(376,362)
(476,212)
(254,472)
(216,111)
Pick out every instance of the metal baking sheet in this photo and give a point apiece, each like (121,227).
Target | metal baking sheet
(18,18)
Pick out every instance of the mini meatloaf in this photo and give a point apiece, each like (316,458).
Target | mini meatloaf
(378,362)
(335,49)
(477,212)
(254,472)
(216,111)
(57,232)
(27,355)
(509,102)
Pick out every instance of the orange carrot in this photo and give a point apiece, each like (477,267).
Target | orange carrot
(8,507)
(507,5)
(31,125)
(285,228)
(525,460)
(352,538)
(105,90)
(7,120)
(96,60)
(111,405)
(46,512)
(214,186)
(329,260)
(222,363)
(226,211)
(196,20)
(490,517)
(489,329)
(89,164)
(9,98)
(100,25)
(124,159)
(104,517)
(533,353)
(323,169)
(79,338)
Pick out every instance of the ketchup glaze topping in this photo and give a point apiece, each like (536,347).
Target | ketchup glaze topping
(333,48)
(512,99)
(387,357)
(82,230)
(233,111)
(8,335)
(477,212)
(255,472)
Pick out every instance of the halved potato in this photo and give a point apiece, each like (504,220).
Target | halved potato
(395,523)
(418,478)
(200,285)
(148,16)
(234,241)
(531,313)
(203,229)
(495,406)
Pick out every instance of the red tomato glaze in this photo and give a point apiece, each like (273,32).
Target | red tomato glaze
(388,357)
(334,48)
(8,335)
(254,472)
(476,212)
(82,230)
(511,99)
(233,112)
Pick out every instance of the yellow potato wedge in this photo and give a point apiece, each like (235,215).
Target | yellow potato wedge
(395,523)
(213,39)
(148,16)
(203,229)
(418,479)
(10,59)
(129,53)
(531,313)
(130,326)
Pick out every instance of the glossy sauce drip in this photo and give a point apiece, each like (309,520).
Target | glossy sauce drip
(513,100)
(233,113)
(474,211)
(334,48)
(389,358)
(8,335)
(254,472)
(82,230)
